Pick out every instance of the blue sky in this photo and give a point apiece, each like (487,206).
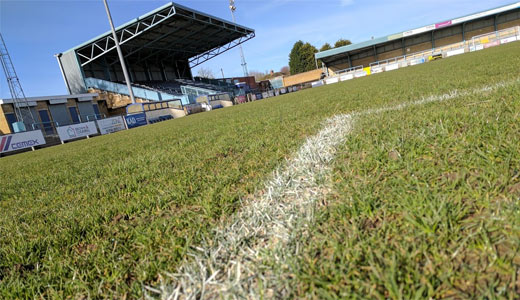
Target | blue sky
(35,30)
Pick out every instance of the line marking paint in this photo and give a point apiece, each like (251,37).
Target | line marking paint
(230,265)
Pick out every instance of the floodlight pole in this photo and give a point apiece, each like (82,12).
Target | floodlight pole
(232,7)
(121,58)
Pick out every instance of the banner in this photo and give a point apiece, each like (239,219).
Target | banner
(19,141)
(111,125)
(417,61)
(347,77)
(443,24)
(136,120)
(492,44)
(76,131)
(376,70)
(419,30)
(317,83)
(455,52)
(332,80)
(508,40)
(391,67)
(360,74)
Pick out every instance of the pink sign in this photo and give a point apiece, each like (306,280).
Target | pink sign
(492,44)
(443,24)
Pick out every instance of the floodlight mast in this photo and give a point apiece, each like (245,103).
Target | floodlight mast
(17,93)
(232,7)
(120,54)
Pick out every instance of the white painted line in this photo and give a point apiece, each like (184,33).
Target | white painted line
(230,265)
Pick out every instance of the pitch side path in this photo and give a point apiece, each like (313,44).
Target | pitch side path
(416,202)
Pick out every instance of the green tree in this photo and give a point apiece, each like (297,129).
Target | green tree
(325,47)
(301,58)
(295,61)
(342,42)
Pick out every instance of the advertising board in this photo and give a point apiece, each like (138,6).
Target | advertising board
(492,44)
(508,40)
(111,125)
(417,61)
(392,67)
(419,30)
(443,24)
(332,80)
(376,70)
(19,141)
(455,52)
(136,120)
(360,74)
(347,77)
(478,47)
(317,84)
(75,131)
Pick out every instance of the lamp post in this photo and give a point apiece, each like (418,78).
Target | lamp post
(121,58)
(232,7)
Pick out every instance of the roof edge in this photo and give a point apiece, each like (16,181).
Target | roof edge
(163,7)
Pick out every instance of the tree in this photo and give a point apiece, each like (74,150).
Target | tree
(342,42)
(285,70)
(295,60)
(205,73)
(301,58)
(325,47)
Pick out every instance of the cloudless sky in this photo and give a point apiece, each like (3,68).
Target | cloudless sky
(35,30)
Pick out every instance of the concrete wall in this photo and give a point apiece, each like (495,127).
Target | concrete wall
(509,24)
(175,113)
(480,31)
(390,54)
(365,62)
(448,40)
(114,100)
(302,78)
(419,48)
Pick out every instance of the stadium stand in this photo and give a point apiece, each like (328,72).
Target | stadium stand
(160,49)
(421,43)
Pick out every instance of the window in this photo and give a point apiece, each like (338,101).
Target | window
(11,118)
(96,111)
(74,115)
(46,122)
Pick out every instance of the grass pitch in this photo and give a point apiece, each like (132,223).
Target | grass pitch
(425,200)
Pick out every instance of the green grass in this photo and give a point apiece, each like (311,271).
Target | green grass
(426,206)
(102,217)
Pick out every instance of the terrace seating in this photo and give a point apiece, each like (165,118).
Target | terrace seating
(170,87)
(174,86)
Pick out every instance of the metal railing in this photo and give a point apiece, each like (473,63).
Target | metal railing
(349,70)
(95,117)
(47,128)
